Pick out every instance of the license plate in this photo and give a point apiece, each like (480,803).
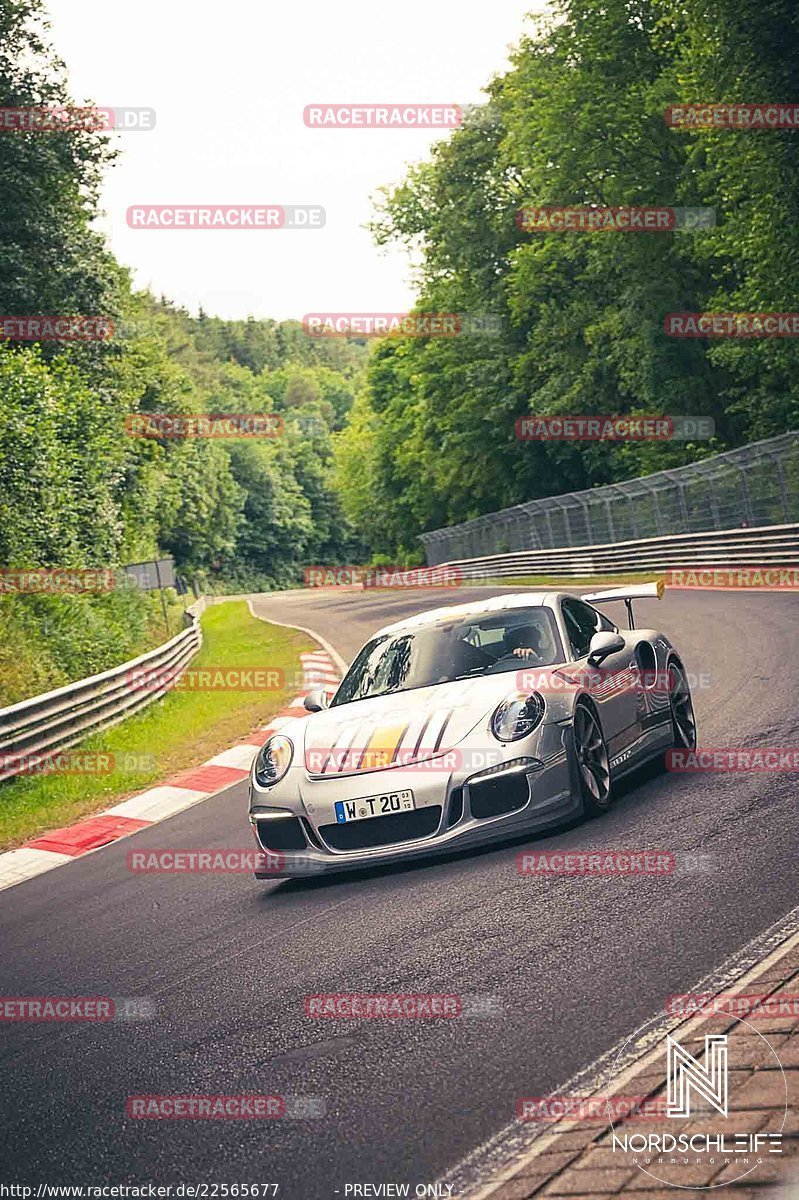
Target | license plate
(374,806)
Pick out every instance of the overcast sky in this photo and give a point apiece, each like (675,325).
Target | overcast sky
(229,82)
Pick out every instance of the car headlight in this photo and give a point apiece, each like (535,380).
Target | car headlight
(517,716)
(274,759)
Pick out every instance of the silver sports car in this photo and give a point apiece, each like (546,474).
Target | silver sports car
(466,725)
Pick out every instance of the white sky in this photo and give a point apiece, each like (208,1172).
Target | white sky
(229,82)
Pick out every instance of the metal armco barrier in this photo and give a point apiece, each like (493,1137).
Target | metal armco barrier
(754,485)
(769,545)
(62,717)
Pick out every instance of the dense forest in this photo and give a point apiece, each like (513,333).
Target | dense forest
(387,439)
(75,489)
(579,120)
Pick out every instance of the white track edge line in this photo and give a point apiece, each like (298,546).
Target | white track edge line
(334,654)
(481,1172)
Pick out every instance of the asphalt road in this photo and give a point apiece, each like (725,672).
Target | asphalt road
(574,963)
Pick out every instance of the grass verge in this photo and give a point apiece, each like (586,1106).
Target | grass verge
(181,730)
(567,581)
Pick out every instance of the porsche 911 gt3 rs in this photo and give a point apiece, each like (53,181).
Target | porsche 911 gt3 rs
(466,725)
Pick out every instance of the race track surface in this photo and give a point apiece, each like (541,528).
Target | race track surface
(575,963)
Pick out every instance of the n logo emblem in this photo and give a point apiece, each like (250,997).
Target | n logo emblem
(684,1073)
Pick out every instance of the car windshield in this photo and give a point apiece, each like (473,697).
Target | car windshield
(483,644)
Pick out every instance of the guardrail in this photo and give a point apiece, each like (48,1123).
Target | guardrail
(768,545)
(58,719)
(754,485)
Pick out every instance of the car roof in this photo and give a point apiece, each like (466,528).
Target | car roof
(475,608)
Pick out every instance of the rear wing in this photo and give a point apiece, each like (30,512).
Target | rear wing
(635,591)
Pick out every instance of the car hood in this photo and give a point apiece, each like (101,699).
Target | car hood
(402,728)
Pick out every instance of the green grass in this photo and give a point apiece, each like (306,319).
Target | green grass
(567,581)
(179,731)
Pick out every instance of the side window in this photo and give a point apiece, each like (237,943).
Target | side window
(582,622)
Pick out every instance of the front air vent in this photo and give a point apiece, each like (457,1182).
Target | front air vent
(455,807)
(283,833)
(496,795)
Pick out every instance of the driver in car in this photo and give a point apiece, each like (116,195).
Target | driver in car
(525,641)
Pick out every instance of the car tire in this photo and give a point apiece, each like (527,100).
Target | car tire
(683,719)
(592,762)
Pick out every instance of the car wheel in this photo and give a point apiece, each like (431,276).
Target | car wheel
(593,764)
(683,721)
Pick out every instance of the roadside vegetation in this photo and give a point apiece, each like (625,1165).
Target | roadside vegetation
(49,641)
(578,120)
(181,730)
(384,441)
(76,491)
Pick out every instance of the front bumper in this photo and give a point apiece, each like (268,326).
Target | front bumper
(295,821)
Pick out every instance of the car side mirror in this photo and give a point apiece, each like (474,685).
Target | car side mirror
(603,645)
(316,700)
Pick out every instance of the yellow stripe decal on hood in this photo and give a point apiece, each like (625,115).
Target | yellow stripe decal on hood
(379,751)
